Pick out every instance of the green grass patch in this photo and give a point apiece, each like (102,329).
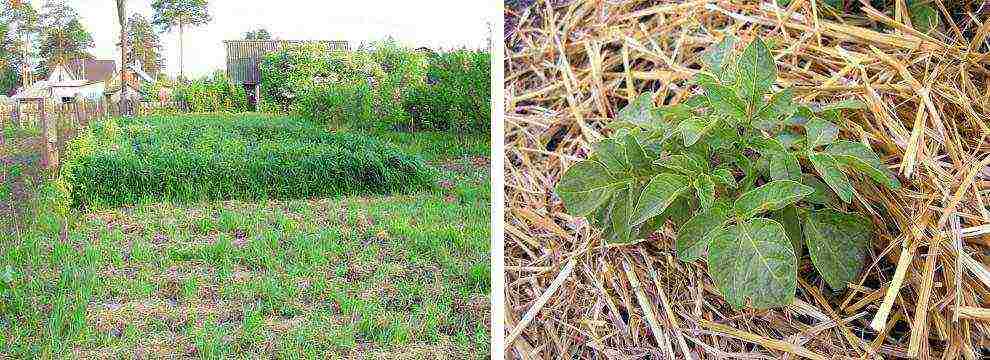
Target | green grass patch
(216,157)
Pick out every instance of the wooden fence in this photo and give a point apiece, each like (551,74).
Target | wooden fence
(59,122)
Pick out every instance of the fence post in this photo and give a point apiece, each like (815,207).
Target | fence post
(45,161)
(2,129)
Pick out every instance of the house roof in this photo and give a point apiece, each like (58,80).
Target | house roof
(243,56)
(91,69)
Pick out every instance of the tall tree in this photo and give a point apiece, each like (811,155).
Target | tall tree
(19,22)
(170,14)
(63,36)
(259,34)
(124,49)
(146,45)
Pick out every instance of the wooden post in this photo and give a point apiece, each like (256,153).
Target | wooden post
(45,160)
(1,131)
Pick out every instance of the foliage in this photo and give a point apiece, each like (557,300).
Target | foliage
(338,105)
(259,34)
(748,177)
(215,158)
(458,95)
(211,94)
(144,44)
(288,74)
(63,36)
(178,13)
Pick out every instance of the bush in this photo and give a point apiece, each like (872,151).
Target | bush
(196,158)
(340,105)
(289,75)
(382,86)
(458,95)
(212,94)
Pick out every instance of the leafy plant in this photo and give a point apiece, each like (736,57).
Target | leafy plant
(745,174)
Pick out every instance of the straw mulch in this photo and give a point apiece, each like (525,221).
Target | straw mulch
(925,292)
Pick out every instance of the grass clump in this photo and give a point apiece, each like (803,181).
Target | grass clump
(210,157)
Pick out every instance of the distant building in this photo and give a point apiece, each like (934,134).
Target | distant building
(244,56)
(136,79)
(79,78)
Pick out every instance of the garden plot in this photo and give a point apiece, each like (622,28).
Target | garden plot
(194,158)
(391,270)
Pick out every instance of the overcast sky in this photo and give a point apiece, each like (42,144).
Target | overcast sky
(433,23)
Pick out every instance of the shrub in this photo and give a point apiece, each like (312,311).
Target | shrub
(212,94)
(288,75)
(340,105)
(195,158)
(458,95)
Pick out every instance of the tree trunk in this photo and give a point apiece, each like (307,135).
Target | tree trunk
(121,14)
(182,68)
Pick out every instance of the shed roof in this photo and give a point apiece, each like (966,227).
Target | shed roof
(92,69)
(243,56)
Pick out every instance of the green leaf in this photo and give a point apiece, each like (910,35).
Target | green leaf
(837,243)
(662,190)
(724,100)
(828,168)
(923,16)
(586,186)
(822,195)
(780,107)
(716,58)
(612,154)
(692,129)
(862,158)
(756,71)
(724,176)
(705,188)
(820,132)
(679,211)
(638,111)
(783,165)
(636,156)
(683,164)
(754,262)
(791,220)
(695,235)
(622,215)
(771,196)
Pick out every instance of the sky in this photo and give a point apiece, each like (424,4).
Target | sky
(432,23)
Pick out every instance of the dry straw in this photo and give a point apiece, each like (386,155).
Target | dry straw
(925,292)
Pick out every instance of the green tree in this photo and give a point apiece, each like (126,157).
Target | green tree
(146,45)
(17,24)
(259,34)
(170,14)
(63,36)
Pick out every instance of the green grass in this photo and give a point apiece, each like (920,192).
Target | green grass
(375,275)
(211,157)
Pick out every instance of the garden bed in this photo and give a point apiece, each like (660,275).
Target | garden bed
(215,157)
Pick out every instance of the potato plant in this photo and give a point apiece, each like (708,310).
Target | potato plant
(746,175)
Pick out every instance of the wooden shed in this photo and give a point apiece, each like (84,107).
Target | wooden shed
(244,56)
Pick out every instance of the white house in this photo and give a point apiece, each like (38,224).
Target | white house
(80,78)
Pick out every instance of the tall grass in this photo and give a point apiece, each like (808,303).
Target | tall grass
(196,158)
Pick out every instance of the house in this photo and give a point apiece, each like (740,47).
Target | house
(137,78)
(79,78)
(243,57)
